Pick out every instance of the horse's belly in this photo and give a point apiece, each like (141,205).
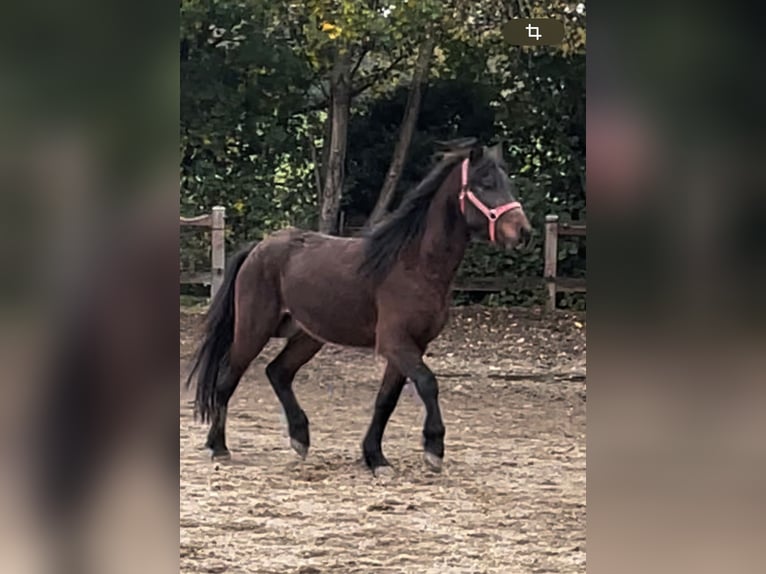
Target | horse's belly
(334,323)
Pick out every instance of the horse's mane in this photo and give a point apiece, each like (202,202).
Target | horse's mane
(385,241)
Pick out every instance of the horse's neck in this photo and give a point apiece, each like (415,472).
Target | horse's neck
(445,237)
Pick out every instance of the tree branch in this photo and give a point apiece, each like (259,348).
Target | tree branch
(317,174)
(365,51)
(374,78)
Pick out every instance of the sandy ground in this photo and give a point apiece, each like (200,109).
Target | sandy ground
(511,497)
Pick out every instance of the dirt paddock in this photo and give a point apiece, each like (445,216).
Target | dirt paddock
(511,497)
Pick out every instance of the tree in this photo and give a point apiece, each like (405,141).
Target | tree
(340,108)
(411,111)
(355,45)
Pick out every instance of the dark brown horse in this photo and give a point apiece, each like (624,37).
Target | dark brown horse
(389,290)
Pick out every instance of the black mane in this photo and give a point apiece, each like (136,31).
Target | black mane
(385,241)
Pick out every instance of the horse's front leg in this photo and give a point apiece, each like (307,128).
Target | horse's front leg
(408,360)
(385,403)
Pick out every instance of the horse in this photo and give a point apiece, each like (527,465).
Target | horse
(388,289)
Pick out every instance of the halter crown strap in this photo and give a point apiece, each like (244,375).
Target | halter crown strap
(492,214)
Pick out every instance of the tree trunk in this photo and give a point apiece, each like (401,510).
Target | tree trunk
(411,111)
(340,105)
(326,139)
(321,168)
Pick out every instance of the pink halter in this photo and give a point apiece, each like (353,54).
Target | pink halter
(493,214)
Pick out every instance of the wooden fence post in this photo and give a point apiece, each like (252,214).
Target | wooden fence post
(551,258)
(218,244)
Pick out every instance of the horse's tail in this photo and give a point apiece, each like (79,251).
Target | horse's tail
(212,355)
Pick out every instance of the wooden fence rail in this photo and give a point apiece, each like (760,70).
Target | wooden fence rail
(216,222)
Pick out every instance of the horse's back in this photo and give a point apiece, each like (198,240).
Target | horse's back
(291,241)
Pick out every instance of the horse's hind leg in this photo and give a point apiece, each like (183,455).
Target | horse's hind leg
(216,436)
(257,317)
(300,349)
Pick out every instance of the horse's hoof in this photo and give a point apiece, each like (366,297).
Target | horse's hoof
(386,471)
(299,447)
(434,462)
(221,455)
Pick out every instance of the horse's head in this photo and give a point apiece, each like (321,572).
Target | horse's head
(488,201)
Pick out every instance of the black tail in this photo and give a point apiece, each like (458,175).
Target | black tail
(212,355)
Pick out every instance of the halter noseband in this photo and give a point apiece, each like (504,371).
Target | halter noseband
(493,214)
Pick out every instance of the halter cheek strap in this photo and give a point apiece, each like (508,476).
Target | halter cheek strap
(493,214)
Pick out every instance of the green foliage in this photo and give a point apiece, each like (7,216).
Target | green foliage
(253,110)
(242,144)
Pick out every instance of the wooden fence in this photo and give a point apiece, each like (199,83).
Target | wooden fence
(554,284)
(216,222)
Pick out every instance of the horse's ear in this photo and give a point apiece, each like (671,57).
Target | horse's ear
(477,152)
(496,152)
